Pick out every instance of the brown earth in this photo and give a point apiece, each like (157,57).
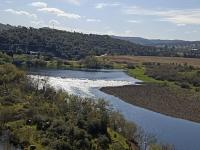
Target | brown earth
(179,103)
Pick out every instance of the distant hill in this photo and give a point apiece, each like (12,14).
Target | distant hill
(171,47)
(137,40)
(160,43)
(69,45)
(150,42)
(75,46)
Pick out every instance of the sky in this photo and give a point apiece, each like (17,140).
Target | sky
(154,19)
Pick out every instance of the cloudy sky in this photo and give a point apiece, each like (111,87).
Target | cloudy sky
(164,19)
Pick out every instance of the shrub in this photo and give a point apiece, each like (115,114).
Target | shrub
(61,145)
(185,85)
(131,66)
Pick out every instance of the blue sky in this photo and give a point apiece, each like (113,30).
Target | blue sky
(164,19)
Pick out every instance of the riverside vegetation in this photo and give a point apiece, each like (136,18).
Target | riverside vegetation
(37,60)
(176,84)
(34,115)
(50,119)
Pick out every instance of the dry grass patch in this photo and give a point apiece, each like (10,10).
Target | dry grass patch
(145,59)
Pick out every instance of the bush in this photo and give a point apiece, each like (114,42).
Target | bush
(103,142)
(45,141)
(184,76)
(52,119)
(61,145)
(131,66)
(185,85)
(197,89)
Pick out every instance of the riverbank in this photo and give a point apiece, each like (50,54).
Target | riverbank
(175,102)
(169,89)
(44,118)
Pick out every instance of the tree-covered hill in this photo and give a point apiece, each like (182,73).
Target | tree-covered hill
(74,45)
(170,47)
(70,45)
(151,42)
(161,43)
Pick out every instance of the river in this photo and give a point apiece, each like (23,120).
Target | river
(183,134)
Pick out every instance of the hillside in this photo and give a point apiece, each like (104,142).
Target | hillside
(70,45)
(162,43)
(150,42)
(154,42)
(76,46)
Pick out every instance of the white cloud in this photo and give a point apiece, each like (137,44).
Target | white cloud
(75,2)
(43,7)
(59,13)
(177,16)
(39,4)
(134,21)
(102,5)
(93,20)
(20,12)
(184,19)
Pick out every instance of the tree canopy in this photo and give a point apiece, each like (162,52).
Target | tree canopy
(70,45)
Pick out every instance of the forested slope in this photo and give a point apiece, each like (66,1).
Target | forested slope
(71,45)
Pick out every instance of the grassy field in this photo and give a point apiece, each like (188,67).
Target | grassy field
(139,73)
(144,59)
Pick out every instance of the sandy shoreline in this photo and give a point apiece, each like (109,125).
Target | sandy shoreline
(161,99)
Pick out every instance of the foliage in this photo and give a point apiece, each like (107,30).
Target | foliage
(68,45)
(119,142)
(139,73)
(48,119)
(183,75)
(93,62)
(4,59)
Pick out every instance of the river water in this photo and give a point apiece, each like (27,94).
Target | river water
(183,134)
